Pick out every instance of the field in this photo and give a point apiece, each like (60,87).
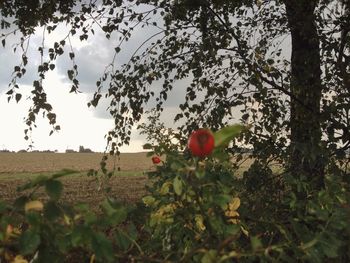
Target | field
(128,184)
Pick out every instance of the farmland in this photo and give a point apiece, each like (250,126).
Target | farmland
(128,184)
(51,162)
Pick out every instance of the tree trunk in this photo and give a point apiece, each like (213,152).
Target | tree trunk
(306,153)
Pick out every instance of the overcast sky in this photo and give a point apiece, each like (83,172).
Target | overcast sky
(80,125)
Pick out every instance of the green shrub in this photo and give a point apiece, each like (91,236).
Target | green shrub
(197,210)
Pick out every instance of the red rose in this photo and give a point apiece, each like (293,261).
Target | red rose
(201,142)
(156,159)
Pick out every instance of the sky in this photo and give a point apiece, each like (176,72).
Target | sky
(79,124)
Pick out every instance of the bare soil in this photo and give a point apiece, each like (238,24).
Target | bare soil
(51,162)
(17,169)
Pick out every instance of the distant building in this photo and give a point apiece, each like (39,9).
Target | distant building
(84,150)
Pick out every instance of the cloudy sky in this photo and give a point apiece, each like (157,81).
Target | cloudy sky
(80,125)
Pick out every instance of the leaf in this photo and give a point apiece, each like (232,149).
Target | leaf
(102,247)
(25,60)
(222,200)
(165,188)
(209,257)
(245,231)
(52,211)
(19,259)
(122,240)
(177,184)
(18,97)
(40,180)
(3,206)
(234,204)
(33,206)
(81,235)
(256,243)
(226,134)
(115,212)
(70,74)
(54,189)
(147,146)
(148,200)
(29,242)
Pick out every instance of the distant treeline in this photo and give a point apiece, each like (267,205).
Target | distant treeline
(81,150)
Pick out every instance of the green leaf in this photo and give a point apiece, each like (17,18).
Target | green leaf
(177,184)
(125,238)
(3,206)
(115,212)
(148,200)
(226,134)
(29,242)
(102,247)
(256,243)
(37,181)
(81,235)
(209,257)
(231,230)
(41,180)
(222,200)
(52,211)
(123,242)
(54,189)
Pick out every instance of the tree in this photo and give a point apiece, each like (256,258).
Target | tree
(234,55)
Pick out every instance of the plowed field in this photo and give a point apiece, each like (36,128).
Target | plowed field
(127,185)
(49,162)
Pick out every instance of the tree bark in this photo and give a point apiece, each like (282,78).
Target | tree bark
(306,154)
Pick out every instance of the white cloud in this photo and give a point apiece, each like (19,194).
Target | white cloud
(78,124)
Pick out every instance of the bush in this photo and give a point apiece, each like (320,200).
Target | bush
(197,210)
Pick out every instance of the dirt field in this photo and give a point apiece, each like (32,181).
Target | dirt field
(49,162)
(79,188)
(127,185)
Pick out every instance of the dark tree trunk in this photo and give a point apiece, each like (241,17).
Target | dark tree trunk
(306,154)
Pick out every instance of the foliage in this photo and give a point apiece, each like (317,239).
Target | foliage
(232,54)
(197,210)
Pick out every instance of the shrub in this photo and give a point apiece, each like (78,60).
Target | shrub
(197,210)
